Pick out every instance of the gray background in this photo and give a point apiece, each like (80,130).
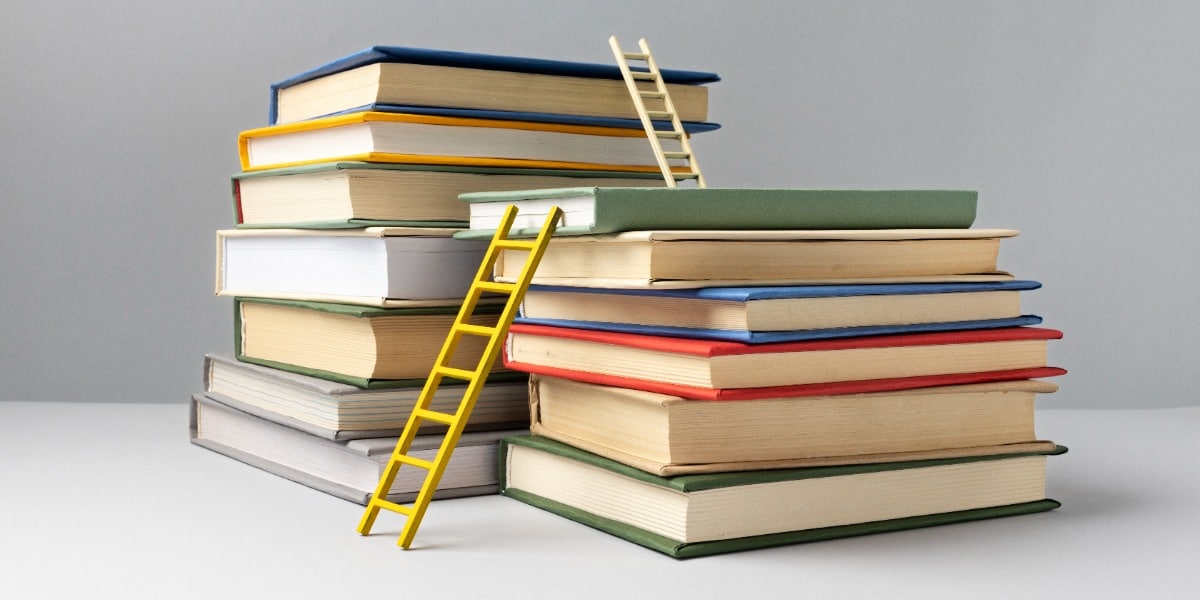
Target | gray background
(1076,121)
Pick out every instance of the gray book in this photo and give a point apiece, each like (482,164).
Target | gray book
(348,469)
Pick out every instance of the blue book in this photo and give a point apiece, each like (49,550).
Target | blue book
(782,313)
(377,76)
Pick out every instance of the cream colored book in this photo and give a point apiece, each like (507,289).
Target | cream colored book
(671,435)
(725,258)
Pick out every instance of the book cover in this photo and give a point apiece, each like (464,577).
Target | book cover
(472,60)
(433,188)
(346,469)
(620,486)
(600,210)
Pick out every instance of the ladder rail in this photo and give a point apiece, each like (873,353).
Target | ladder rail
(455,423)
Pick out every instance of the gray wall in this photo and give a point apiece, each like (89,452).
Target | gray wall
(1075,121)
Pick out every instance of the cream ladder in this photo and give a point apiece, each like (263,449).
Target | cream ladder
(657,91)
(457,421)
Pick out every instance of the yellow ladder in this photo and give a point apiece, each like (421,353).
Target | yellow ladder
(657,92)
(441,369)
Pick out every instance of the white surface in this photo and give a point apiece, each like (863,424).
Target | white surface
(112,501)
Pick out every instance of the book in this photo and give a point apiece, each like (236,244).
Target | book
(340,411)
(697,515)
(362,194)
(374,266)
(363,346)
(347,469)
(782,313)
(598,210)
(395,75)
(409,138)
(717,364)
(672,435)
(693,259)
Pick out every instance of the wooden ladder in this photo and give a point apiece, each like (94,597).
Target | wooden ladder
(657,91)
(455,422)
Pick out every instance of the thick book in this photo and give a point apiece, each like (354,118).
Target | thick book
(373,266)
(672,435)
(347,469)
(409,138)
(396,75)
(782,313)
(340,411)
(362,194)
(697,515)
(597,210)
(363,346)
(694,259)
(716,365)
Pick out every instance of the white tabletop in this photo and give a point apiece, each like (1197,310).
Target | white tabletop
(110,500)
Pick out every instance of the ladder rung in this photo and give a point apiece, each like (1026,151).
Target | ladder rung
(515,244)
(669,134)
(652,94)
(481,330)
(660,115)
(392,506)
(636,55)
(677,154)
(644,76)
(414,461)
(456,373)
(433,415)
(495,286)
(685,175)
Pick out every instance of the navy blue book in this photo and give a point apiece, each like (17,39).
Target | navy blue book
(783,313)
(393,76)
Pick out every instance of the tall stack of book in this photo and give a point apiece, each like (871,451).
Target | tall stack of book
(723,369)
(344,274)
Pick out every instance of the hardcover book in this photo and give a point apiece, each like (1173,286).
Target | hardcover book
(340,411)
(598,210)
(396,75)
(710,364)
(363,346)
(672,435)
(782,313)
(409,138)
(374,266)
(347,469)
(697,515)
(362,194)
(694,259)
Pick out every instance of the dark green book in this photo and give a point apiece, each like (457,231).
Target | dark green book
(697,515)
(349,194)
(364,346)
(598,210)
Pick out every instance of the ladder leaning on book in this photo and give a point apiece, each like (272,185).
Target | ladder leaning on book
(441,369)
(657,91)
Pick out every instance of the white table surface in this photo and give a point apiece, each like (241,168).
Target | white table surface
(112,501)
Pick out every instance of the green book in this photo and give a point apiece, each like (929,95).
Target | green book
(697,515)
(350,194)
(598,210)
(364,346)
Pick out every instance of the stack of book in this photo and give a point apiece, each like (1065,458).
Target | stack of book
(343,269)
(723,369)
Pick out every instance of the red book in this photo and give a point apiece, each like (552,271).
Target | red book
(721,370)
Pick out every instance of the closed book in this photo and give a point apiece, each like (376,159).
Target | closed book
(363,346)
(409,138)
(782,313)
(672,435)
(340,411)
(716,364)
(397,75)
(597,210)
(374,266)
(362,194)
(693,259)
(696,515)
(347,469)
